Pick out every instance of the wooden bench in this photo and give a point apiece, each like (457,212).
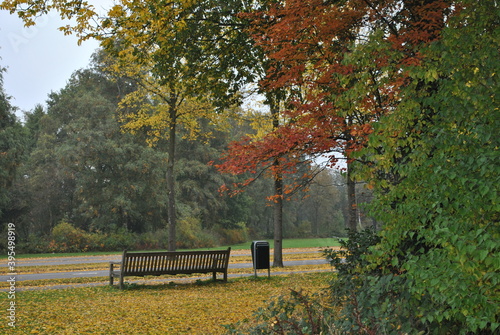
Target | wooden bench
(170,263)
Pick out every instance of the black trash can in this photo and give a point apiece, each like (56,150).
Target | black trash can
(260,256)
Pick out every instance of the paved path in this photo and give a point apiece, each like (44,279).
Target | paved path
(101,259)
(105,273)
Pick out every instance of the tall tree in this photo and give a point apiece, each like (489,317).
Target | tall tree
(84,169)
(109,189)
(178,50)
(435,170)
(48,189)
(198,182)
(295,56)
(11,145)
(278,194)
(317,51)
(173,50)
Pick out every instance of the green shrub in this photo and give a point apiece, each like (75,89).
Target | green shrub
(296,313)
(119,240)
(237,234)
(152,240)
(34,244)
(361,299)
(190,234)
(67,238)
(372,299)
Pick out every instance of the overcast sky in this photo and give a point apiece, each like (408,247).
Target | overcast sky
(38,59)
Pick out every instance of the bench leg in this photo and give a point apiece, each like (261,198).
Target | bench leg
(121,281)
(215,276)
(225,276)
(111,274)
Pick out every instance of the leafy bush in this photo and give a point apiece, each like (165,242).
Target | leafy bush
(375,294)
(67,238)
(296,313)
(372,299)
(234,235)
(152,240)
(33,244)
(435,186)
(119,240)
(361,299)
(192,235)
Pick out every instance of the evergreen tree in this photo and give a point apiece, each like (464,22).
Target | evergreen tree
(11,149)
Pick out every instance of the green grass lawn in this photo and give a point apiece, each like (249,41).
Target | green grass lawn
(296,243)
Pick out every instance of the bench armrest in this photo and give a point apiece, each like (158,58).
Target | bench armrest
(111,270)
(111,266)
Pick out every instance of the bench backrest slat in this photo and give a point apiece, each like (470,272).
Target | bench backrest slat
(155,262)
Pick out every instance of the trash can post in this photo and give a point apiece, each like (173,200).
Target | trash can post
(260,256)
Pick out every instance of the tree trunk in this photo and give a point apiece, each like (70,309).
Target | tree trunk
(351,199)
(278,218)
(171,211)
(278,197)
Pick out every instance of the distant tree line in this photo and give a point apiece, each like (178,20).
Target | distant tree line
(73,180)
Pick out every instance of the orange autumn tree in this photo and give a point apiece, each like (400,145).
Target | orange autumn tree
(312,125)
(340,64)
